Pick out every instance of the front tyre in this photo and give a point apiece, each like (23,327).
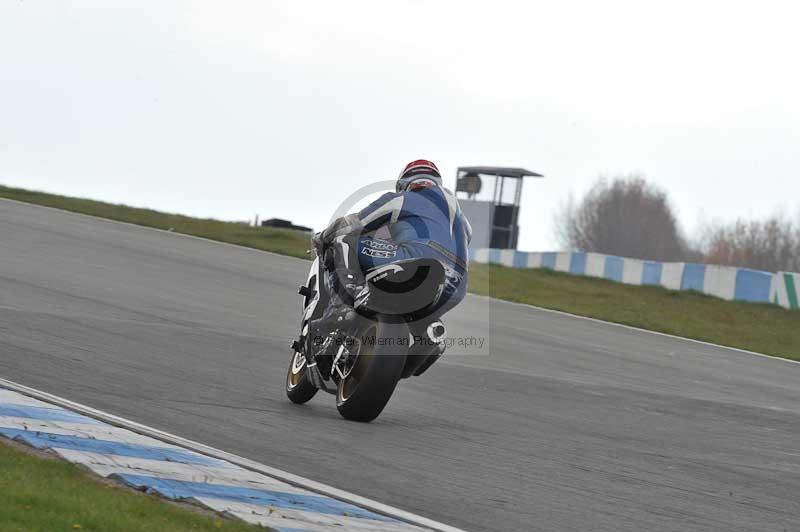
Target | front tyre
(369,383)
(298,388)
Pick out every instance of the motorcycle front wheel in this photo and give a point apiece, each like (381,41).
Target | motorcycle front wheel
(370,380)
(298,388)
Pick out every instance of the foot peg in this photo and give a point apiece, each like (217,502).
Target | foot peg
(299,345)
(305,291)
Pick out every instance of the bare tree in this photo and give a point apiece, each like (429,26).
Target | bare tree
(627,217)
(771,245)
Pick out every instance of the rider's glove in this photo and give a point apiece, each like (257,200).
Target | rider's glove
(316,240)
(345,225)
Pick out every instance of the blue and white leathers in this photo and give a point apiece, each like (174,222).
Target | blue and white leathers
(427,223)
(423,223)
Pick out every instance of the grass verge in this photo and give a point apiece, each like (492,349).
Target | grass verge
(283,241)
(44,494)
(763,328)
(757,327)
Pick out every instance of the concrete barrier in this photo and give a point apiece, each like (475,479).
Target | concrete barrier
(651,273)
(753,285)
(563,260)
(507,257)
(481,256)
(595,264)
(520,259)
(549,260)
(672,275)
(725,282)
(720,281)
(535,260)
(577,263)
(613,269)
(786,290)
(632,270)
(694,276)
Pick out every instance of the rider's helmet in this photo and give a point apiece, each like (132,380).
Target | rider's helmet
(418,175)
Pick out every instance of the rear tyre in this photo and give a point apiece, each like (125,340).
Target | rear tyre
(298,388)
(366,388)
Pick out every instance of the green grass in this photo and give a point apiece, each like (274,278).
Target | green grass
(47,495)
(284,241)
(757,327)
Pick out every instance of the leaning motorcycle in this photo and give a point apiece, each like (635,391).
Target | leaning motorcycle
(361,359)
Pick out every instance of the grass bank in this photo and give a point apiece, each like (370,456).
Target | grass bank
(757,327)
(45,494)
(284,241)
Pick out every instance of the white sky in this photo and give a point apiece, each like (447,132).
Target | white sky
(228,109)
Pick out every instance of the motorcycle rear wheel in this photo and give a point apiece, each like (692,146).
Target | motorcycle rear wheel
(365,389)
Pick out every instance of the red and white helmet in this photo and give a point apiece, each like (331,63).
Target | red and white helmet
(418,175)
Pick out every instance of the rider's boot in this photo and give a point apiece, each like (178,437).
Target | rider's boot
(344,283)
(335,317)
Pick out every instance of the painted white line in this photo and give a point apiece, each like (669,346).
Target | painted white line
(245,463)
(289,257)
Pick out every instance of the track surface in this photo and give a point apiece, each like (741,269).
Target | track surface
(567,424)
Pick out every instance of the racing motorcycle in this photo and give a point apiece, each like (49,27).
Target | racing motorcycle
(363,354)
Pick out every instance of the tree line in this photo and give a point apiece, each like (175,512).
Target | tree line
(629,217)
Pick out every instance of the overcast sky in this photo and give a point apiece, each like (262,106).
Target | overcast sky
(228,109)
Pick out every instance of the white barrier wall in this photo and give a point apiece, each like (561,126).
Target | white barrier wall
(782,288)
(786,290)
(595,264)
(720,281)
(672,275)
(632,271)
(507,257)
(481,256)
(534,260)
(563,259)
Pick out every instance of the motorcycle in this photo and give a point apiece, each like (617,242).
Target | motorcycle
(363,355)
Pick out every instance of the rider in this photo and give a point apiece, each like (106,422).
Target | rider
(421,219)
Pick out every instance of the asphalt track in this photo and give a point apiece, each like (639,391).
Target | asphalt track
(557,423)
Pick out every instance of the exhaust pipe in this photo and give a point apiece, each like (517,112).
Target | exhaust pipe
(426,350)
(422,355)
(437,333)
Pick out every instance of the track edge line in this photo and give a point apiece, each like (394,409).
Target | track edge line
(251,465)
